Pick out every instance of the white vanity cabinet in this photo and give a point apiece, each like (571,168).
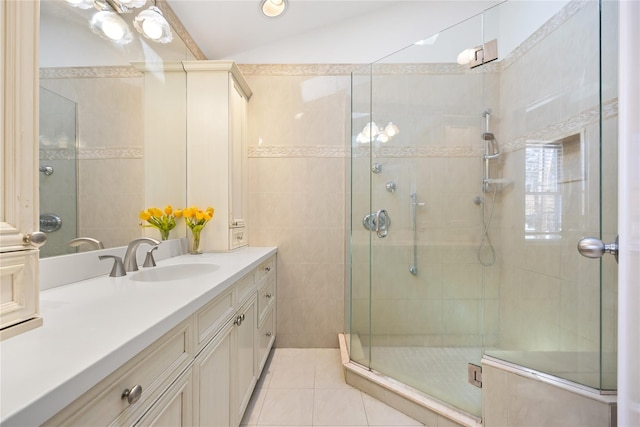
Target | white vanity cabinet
(19,283)
(217,96)
(226,368)
(201,373)
(137,387)
(266,305)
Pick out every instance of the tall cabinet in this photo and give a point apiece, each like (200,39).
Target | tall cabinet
(217,97)
(19,235)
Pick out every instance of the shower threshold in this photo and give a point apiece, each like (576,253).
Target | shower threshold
(400,396)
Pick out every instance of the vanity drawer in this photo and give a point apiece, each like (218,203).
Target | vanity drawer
(245,287)
(153,369)
(238,237)
(266,268)
(266,297)
(212,317)
(266,337)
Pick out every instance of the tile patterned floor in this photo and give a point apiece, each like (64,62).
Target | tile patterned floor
(305,387)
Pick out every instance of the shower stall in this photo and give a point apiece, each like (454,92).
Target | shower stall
(480,156)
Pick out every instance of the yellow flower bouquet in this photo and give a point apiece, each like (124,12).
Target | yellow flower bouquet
(165,221)
(196,219)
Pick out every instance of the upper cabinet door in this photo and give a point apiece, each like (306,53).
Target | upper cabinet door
(19,123)
(217,96)
(19,235)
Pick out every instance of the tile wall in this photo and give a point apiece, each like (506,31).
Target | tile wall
(299,122)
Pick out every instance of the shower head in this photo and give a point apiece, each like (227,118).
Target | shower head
(491,146)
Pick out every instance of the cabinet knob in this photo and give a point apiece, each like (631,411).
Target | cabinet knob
(268,334)
(267,296)
(239,320)
(35,239)
(267,269)
(132,395)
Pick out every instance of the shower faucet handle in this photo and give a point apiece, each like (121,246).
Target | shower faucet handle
(382,223)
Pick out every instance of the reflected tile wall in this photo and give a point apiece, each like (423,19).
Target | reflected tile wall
(110,151)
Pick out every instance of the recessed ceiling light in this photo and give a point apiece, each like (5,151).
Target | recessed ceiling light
(273,8)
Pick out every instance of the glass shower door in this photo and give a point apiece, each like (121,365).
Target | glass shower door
(58,172)
(557,115)
(427,286)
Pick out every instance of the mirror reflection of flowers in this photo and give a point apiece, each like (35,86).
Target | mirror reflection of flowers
(165,221)
(196,219)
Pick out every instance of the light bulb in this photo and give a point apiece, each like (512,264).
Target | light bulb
(465,56)
(153,25)
(82,4)
(391,130)
(152,29)
(112,30)
(111,27)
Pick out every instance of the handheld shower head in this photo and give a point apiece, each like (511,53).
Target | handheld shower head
(488,136)
(491,146)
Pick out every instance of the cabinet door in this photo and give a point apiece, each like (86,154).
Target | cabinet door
(19,164)
(237,105)
(246,356)
(213,381)
(175,406)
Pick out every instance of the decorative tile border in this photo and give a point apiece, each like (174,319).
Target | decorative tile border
(94,153)
(101,153)
(68,153)
(299,69)
(297,151)
(89,72)
(552,132)
(555,22)
(574,124)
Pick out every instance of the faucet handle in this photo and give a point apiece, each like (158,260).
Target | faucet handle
(149,261)
(118,267)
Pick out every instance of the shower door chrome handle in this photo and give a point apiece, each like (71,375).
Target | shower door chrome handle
(378,221)
(592,247)
(382,223)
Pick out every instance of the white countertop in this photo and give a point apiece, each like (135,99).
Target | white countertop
(94,326)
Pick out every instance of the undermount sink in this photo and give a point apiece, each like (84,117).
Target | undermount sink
(172,272)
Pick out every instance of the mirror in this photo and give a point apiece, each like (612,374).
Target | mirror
(112,127)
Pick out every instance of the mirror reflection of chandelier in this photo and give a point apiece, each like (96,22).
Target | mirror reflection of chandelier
(108,22)
(372,133)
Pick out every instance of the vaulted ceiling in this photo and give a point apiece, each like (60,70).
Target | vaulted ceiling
(317,31)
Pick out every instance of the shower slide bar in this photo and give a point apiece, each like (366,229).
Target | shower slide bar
(414,205)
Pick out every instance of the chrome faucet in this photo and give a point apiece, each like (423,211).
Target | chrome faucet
(94,243)
(130,261)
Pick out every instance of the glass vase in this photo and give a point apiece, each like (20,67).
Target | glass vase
(164,234)
(194,243)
